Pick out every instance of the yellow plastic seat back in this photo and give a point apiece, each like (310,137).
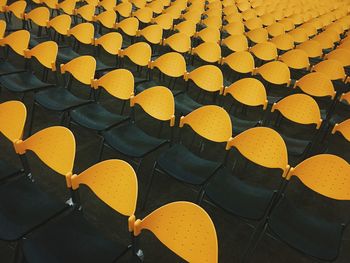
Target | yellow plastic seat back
(288,24)
(87,12)
(114,182)
(275,29)
(18,41)
(234,28)
(248,91)
(299,35)
(209,35)
(258,35)
(325,174)
(106,18)
(17,8)
(119,83)
(61,24)
(171,64)
(158,102)
(144,14)
(208,51)
(240,61)
(312,48)
(39,16)
(211,122)
(299,108)
(236,43)
(67,6)
(45,53)
(13,115)
(272,151)
(340,54)
(275,72)
(207,77)
(124,9)
(324,40)
(129,26)
(55,146)
(186,27)
(178,42)
(110,42)
(152,33)
(83,32)
(190,234)
(265,51)
(2,28)
(332,68)
(343,128)
(283,42)
(253,23)
(296,59)
(108,5)
(316,84)
(165,21)
(82,69)
(139,53)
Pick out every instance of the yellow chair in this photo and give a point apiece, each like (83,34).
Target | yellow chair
(298,62)
(139,3)
(152,33)
(130,140)
(123,10)
(283,42)
(211,123)
(304,112)
(208,35)
(38,16)
(342,55)
(186,27)
(310,28)
(157,7)
(208,52)
(275,29)
(196,242)
(268,19)
(234,28)
(212,22)
(253,23)
(275,76)
(178,42)
(299,35)
(313,50)
(264,52)
(106,19)
(343,128)
(60,24)
(248,94)
(312,234)
(107,5)
(241,197)
(111,43)
(332,68)
(171,64)
(241,62)
(207,78)
(165,21)
(86,13)
(288,24)
(144,15)
(17,8)
(128,26)
(325,41)
(18,41)
(13,115)
(114,182)
(258,35)
(235,43)
(67,6)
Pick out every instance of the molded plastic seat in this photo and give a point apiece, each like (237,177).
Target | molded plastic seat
(185,104)
(238,197)
(8,68)
(7,170)
(193,169)
(124,138)
(69,231)
(22,82)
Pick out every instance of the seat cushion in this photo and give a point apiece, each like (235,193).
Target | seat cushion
(238,197)
(58,99)
(185,104)
(7,170)
(66,54)
(22,82)
(23,206)
(309,234)
(8,68)
(295,146)
(94,116)
(131,140)
(185,166)
(240,125)
(70,239)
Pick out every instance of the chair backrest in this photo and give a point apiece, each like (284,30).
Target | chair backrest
(332,68)
(18,41)
(67,6)
(275,29)
(186,27)
(263,146)
(119,83)
(178,42)
(139,53)
(55,146)
(152,33)
(114,182)
(2,28)
(82,69)
(340,54)
(144,14)
(312,48)
(265,51)
(87,12)
(61,24)
(38,16)
(208,52)
(234,28)
(207,77)
(123,9)
(158,102)
(343,128)
(236,43)
(17,8)
(209,34)
(13,115)
(129,26)
(295,59)
(275,72)
(288,24)
(165,21)
(283,42)
(258,35)
(107,5)
(83,32)
(171,64)
(106,18)
(210,122)
(316,84)
(325,174)
(110,42)
(240,61)
(324,40)
(248,91)
(190,234)
(299,108)
(299,35)
(45,53)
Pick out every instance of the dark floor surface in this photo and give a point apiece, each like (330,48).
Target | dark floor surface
(233,233)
